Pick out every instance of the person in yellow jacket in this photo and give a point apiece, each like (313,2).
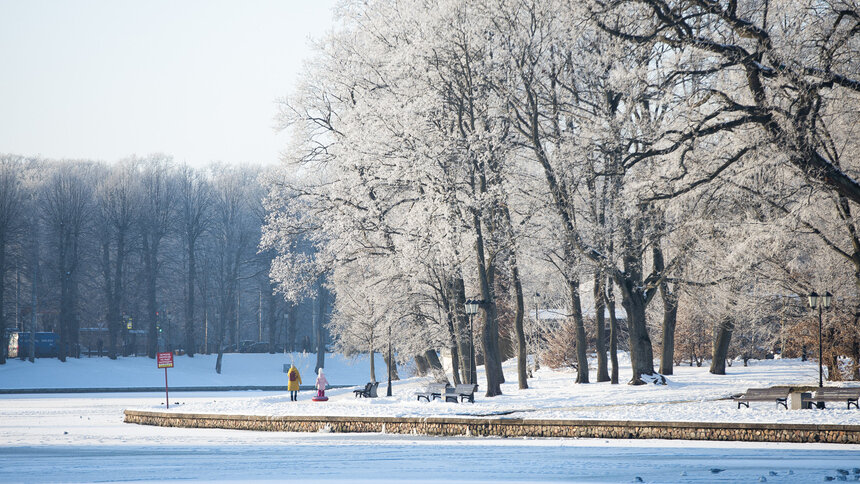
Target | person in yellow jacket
(295,379)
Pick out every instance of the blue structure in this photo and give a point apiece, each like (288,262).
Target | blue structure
(47,345)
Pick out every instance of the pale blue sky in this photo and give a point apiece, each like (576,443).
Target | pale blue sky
(196,79)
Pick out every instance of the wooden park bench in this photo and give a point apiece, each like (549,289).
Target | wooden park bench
(848,395)
(433,391)
(369,390)
(778,395)
(464,391)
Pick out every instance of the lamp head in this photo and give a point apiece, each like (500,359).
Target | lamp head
(471,306)
(813,300)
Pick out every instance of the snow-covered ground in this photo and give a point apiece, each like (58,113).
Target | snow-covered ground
(692,394)
(237,369)
(81,437)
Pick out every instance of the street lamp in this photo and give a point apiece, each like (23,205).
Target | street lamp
(825,304)
(471,311)
(389,360)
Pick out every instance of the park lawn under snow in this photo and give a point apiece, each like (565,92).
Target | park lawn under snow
(692,394)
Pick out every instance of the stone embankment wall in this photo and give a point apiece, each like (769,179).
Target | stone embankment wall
(505,427)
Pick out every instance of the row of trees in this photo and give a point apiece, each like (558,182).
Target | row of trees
(691,159)
(122,250)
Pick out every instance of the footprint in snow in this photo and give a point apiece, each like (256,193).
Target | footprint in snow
(716,471)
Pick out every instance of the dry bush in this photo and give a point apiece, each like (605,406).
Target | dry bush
(560,349)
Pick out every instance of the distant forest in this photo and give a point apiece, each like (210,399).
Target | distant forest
(140,256)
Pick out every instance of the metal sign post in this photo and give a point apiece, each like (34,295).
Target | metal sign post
(165,360)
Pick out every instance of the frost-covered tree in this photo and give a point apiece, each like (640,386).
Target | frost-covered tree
(234,240)
(156,219)
(118,201)
(67,204)
(12,197)
(194,200)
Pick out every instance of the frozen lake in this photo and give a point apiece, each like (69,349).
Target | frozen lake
(81,438)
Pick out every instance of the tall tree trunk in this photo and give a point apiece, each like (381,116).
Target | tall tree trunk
(322,299)
(392,364)
(600,330)
(488,311)
(272,303)
(522,355)
(432,360)
(74,320)
(579,326)
(65,279)
(149,263)
(464,331)
(855,350)
(449,314)
(223,319)
(613,331)
(115,303)
(641,352)
(229,309)
(722,339)
(34,295)
(831,356)
(495,336)
(421,366)
(453,346)
(670,315)
(189,300)
(291,327)
(113,326)
(373,366)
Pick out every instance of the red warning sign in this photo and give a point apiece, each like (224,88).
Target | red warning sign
(165,360)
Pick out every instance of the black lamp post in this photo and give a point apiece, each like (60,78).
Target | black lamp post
(471,311)
(389,361)
(825,304)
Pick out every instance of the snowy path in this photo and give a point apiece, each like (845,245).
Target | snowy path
(82,439)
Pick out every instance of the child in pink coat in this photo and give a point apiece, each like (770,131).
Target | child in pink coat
(321,383)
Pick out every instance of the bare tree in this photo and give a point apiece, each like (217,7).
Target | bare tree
(195,202)
(118,204)
(67,206)
(11,203)
(233,238)
(158,196)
